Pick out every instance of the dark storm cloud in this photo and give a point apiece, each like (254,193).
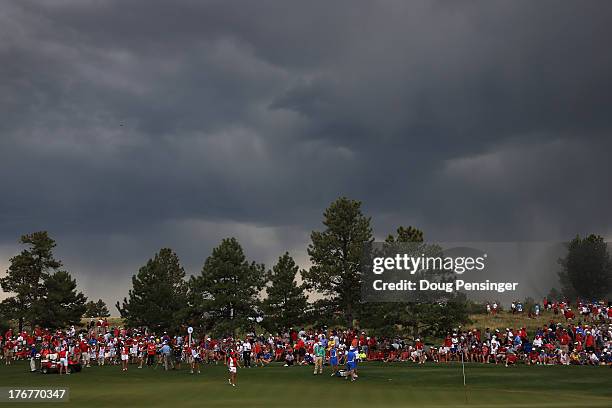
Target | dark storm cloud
(131,125)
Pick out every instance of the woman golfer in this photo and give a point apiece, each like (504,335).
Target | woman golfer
(333,358)
(351,364)
(232,365)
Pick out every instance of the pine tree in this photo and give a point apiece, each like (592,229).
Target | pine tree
(25,277)
(62,305)
(5,323)
(384,318)
(224,297)
(96,309)
(408,234)
(157,299)
(336,255)
(102,309)
(428,315)
(586,269)
(286,302)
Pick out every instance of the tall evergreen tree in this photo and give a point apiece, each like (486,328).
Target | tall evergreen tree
(96,309)
(224,297)
(408,234)
(586,269)
(5,323)
(386,318)
(336,255)
(25,277)
(157,299)
(423,317)
(286,302)
(62,305)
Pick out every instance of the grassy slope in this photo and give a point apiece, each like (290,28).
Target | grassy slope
(505,319)
(379,385)
(482,321)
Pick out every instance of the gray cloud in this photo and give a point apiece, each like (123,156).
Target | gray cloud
(127,126)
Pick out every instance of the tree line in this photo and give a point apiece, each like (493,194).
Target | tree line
(233,294)
(44,293)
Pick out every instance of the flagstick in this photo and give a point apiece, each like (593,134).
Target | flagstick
(463,370)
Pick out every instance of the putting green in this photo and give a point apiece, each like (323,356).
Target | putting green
(379,385)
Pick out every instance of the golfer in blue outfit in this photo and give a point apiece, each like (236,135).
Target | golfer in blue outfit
(333,358)
(351,363)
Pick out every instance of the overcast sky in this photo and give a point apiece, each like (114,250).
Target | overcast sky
(126,126)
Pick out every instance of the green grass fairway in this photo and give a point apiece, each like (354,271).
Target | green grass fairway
(379,385)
